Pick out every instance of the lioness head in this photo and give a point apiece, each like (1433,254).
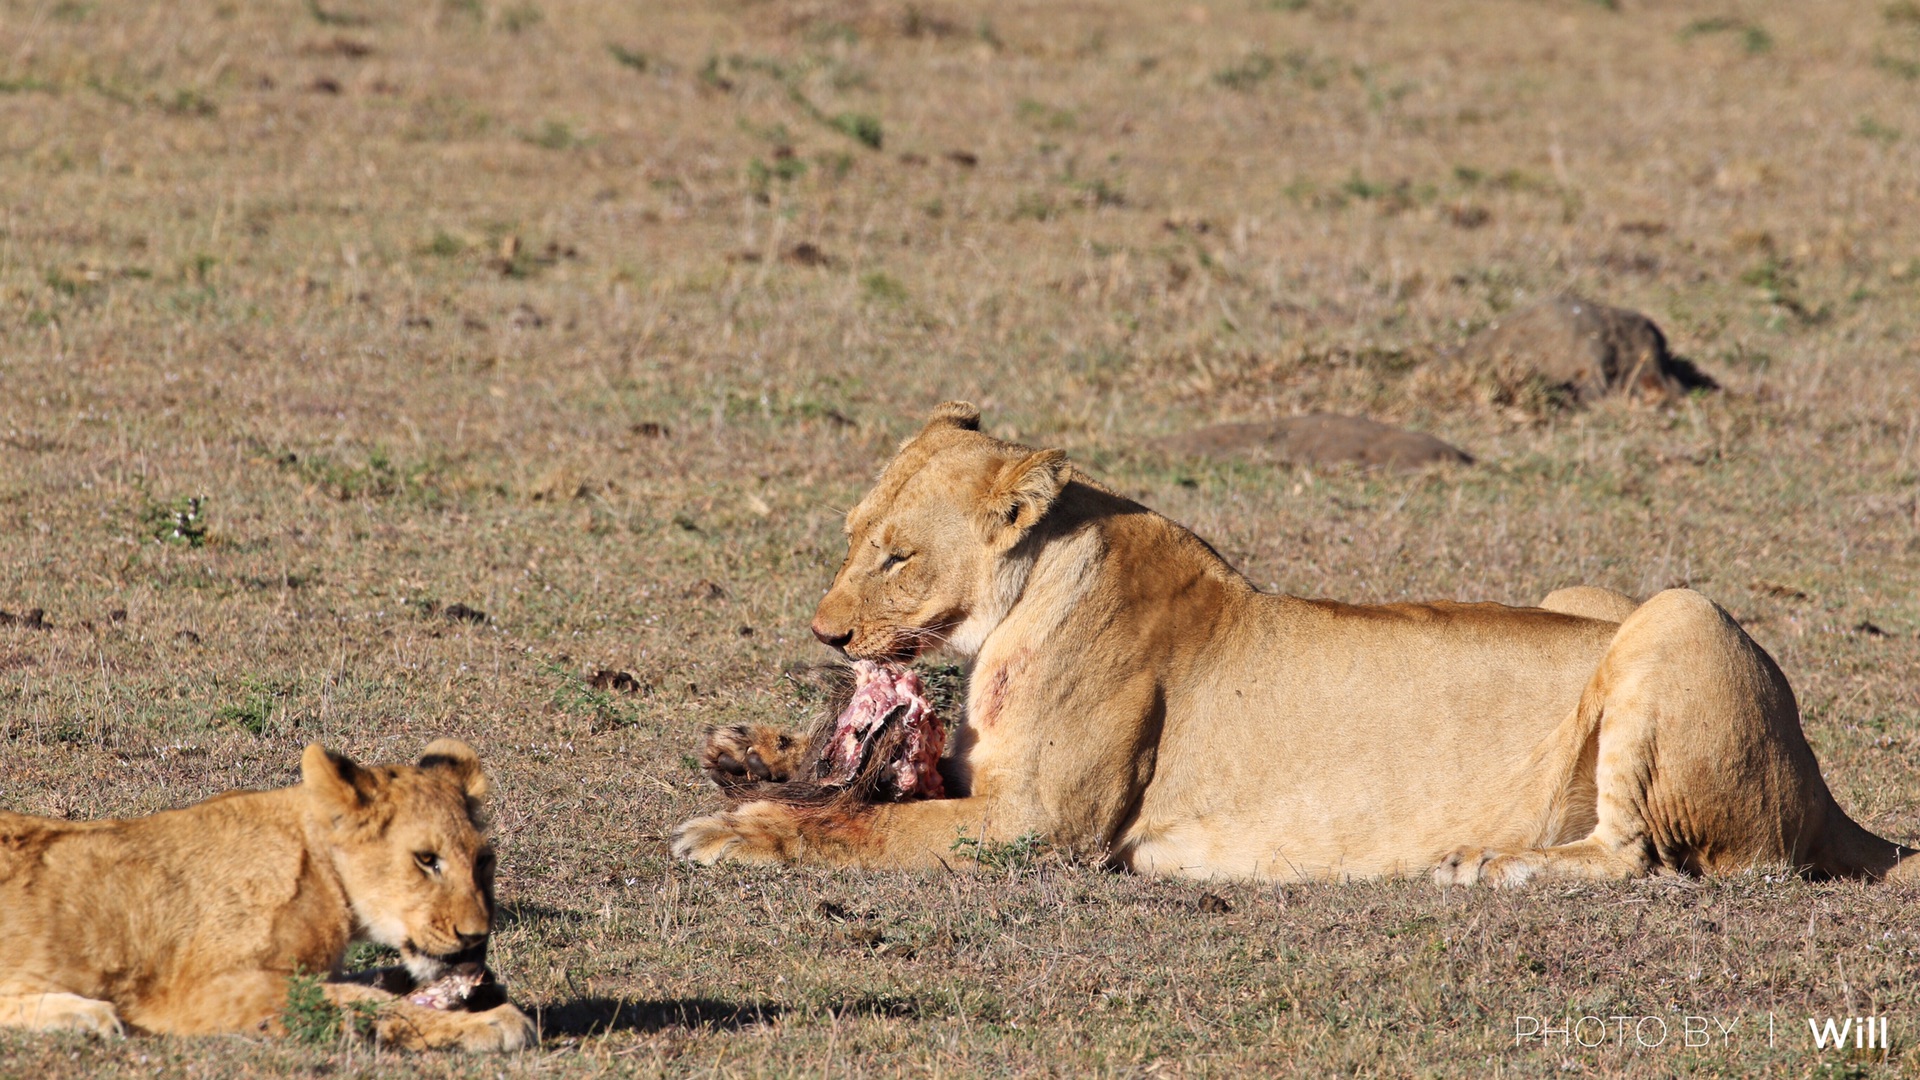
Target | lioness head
(934,552)
(408,845)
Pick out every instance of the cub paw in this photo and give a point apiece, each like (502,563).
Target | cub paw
(739,754)
(1479,866)
(758,833)
(499,1030)
(410,1027)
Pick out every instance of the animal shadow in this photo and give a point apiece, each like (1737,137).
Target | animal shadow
(513,912)
(599,1015)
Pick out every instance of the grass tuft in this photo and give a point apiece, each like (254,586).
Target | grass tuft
(1753,37)
(180,521)
(1246,74)
(1007,857)
(859,127)
(336,18)
(310,1018)
(629,58)
(882,286)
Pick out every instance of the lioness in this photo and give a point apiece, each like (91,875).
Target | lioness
(191,921)
(1133,697)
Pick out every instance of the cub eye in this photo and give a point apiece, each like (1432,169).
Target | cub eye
(427,861)
(892,561)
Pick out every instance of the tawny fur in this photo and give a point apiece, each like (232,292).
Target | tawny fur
(192,921)
(1134,698)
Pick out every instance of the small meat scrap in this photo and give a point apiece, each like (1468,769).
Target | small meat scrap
(883,694)
(449,991)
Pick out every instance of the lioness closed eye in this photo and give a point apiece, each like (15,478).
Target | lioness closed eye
(1133,697)
(193,921)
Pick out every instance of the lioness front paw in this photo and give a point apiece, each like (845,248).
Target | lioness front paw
(98,1018)
(1480,866)
(738,754)
(757,832)
(62,1012)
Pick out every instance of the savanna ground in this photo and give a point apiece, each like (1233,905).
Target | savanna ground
(591,317)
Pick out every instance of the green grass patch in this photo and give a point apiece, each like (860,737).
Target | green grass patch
(1246,73)
(860,127)
(311,1019)
(181,521)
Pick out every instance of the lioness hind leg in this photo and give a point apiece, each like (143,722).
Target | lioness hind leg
(60,1012)
(1699,762)
(1591,602)
(737,754)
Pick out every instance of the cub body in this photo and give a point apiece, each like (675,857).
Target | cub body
(192,921)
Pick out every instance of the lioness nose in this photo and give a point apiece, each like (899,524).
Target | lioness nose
(830,638)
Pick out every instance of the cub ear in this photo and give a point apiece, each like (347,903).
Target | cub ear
(461,760)
(961,414)
(334,778)
(1020,495)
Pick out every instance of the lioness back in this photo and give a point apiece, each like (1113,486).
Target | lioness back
(1276,735)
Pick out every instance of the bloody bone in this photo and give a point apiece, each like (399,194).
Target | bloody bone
(887,696)
(450,990)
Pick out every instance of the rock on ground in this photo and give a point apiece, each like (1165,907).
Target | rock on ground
(1319,439)
(1590,349)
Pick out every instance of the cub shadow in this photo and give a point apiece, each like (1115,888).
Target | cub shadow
(599,1015)
(513,912)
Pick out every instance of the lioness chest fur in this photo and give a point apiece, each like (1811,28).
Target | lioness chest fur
(193,921)
(1133,697)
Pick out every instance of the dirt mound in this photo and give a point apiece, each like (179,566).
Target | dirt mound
(1319,439)
(1585,351)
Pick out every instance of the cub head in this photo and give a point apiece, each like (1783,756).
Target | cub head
(935,552)
(407,841)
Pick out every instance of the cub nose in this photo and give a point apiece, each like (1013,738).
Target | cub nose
(832,639)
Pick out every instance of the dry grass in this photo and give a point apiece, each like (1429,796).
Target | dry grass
(589,316)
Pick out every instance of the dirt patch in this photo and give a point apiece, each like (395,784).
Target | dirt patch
(622,682)
(1319,439)
(463,613)
(32,620)
(1584,351)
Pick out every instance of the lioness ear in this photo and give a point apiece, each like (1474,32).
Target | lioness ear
(458,757)
(333,778)
(1020,495)
(961,414)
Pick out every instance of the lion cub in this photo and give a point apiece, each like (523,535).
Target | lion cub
(192,921)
